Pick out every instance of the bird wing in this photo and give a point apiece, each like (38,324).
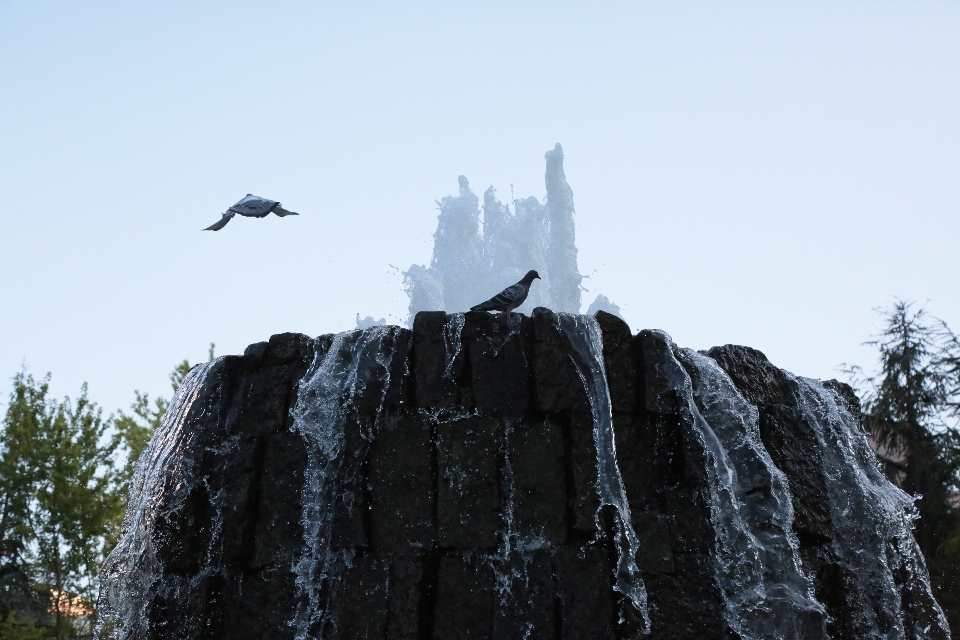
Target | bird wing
(280,211)
(254,206)
(514,295)
(222,222)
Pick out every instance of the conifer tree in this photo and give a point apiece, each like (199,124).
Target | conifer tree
(910,408)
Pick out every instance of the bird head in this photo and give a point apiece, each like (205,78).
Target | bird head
(530,276)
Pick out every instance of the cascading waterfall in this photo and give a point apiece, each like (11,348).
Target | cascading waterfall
(216,544)
(873,517)
(326,395)
(757,566)
(586,341)
(765,589)
(161,481)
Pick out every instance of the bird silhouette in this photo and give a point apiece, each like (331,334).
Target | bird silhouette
(511,297)
(253,207)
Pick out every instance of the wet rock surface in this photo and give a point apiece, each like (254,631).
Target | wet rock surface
(449,482)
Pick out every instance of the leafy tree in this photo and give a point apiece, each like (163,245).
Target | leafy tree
(58,467)
(13,627)
(18,481)
(62,492)
(75,503)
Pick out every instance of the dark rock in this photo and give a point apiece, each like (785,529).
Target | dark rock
(465,597)
(660,394)
(557,386)
(262,605)
(677,492)
(760,382)
(585,497)
(636,444)
(539,481)
(528,609)
(386,386)
(853,609)
(265,404)
(407,602)
(351,502)
(585,588)
(278,533)
(253,355)
(849,398)
(468,494)
(436,382)
(182,556)
(793,446)
(499,362)
(402,485)
(359,606)
(653,539)
(242,470)
(289,348)
(669,594)
(620,359)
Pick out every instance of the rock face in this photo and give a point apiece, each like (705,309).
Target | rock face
(483,476)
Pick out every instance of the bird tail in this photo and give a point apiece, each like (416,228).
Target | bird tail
(280,211)
(484,306)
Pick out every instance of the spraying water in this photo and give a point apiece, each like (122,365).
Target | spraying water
(471,264)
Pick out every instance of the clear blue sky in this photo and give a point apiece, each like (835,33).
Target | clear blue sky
(763,173)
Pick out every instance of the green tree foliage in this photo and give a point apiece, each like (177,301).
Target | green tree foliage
(76,501)
(910,407)
(18,482)
(58,477)
(14,627)
(63,483)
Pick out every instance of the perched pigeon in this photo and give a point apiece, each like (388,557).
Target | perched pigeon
(253,207)
(511,297)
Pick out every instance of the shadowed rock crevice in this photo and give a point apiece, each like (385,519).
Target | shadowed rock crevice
(506,476)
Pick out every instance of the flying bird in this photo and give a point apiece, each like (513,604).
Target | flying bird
(253,207)
(511,297)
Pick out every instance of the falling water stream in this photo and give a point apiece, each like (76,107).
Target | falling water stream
(872,517)
(586,341)
(161,482)
(453,340)
(327,393)
(765,589)
(758,565)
